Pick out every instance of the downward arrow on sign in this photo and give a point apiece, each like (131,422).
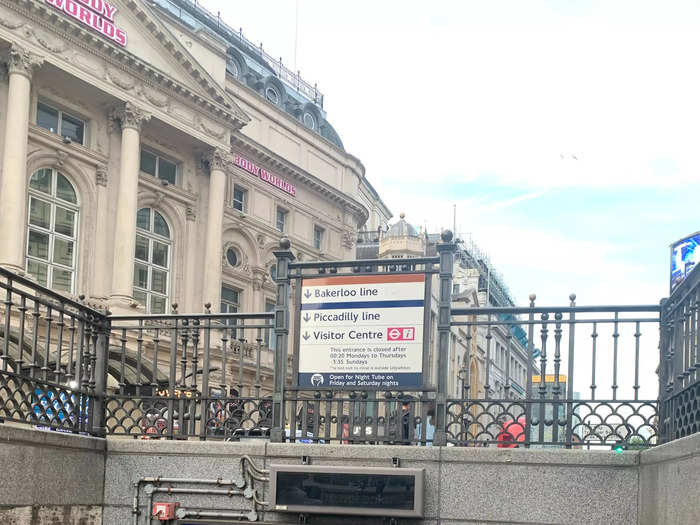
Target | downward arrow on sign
(306,336)
(307,318)
(307,294)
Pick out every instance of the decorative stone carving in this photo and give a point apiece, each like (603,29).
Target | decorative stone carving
(22,61)
(190,213)
(130,116)
(120,79)
(218,159)
(209,130)
(101,175)
(155,98)
(261,240)
(348,240)
(9,23)
(53,45)
(61,157)
(160,197)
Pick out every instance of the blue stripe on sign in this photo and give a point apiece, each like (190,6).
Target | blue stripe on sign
(362,304)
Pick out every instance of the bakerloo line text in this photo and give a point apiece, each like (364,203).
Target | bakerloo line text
(352,334)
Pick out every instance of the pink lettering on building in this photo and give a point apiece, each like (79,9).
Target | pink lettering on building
(96,14)
(264,175)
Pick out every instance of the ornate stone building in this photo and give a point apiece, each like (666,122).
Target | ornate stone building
(151,156)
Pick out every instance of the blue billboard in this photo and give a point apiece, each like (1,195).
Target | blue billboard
(685,255)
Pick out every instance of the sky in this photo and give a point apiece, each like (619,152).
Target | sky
(565,133)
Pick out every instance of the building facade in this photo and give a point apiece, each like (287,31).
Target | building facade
(401,240)
(151,157)
(498,355)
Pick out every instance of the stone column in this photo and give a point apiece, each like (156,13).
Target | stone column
(215,217)
(131,119)
(13,186)
(102,274)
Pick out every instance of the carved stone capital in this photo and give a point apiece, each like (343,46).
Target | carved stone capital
(218,159)
(130,116)
(190,213)
(22,62)
(101,175)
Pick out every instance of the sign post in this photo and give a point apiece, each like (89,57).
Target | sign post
(362,332)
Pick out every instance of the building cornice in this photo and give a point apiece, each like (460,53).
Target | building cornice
(283,167)
(217,103)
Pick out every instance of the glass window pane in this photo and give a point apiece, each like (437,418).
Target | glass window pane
(41,181)
(148,163)
(239,198)
(62,280)
(65,220)
(143,219)
(231,257)
(47,118)
(140,276)
(157,304)
(141,252)
(73,128)
(160,226)
(140,297)
(281,216)
(62,252)
(167,171)
(65,190)
(38,245)
(39,213)
(229,295)
(160,254)
(37,270)
(159,281)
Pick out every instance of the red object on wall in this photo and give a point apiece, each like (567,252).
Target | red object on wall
(164,511)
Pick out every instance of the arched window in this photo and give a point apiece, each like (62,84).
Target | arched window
(152,261)
(52,233)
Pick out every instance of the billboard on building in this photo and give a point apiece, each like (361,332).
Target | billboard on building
(685,255)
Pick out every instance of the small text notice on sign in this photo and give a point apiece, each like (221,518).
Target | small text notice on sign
(363,332)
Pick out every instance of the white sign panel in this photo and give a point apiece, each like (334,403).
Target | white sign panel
(362,332)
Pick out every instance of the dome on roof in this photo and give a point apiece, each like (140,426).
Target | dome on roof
(402,229)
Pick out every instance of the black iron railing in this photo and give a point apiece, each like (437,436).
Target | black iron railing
(570,376)
(679,361)
(49,358)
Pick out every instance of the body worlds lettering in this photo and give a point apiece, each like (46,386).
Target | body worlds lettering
(97,14)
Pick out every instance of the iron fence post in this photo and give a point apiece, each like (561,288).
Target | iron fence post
(529,365)
(100,391)
(284,257)
(570,372)
(446,250)
(205,399)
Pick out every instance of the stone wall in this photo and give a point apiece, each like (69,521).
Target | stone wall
(50,477)
(463,485)
(669,483)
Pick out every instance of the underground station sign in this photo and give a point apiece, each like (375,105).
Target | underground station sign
(362,332)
